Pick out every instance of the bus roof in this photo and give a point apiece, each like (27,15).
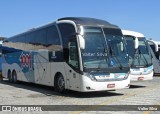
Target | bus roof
(155,41)
(77,20)
(132,33)
(89,21)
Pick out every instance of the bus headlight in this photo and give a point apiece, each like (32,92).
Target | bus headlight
(126,75)
(150,71)
(90,76)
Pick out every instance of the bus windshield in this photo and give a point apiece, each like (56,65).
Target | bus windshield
(104,48)
(130,47)
(142,54)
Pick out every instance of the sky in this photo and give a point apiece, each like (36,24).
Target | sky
(143,16)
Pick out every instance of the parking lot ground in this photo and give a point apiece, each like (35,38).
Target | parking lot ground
(139,93)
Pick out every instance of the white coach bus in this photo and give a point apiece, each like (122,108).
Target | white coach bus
(140,58)
(74,53)
(155,51)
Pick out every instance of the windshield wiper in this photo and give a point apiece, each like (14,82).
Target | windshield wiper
(111,53)
(135,55)
(143,57)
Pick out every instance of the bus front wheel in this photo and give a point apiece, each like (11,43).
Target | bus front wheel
(60,84)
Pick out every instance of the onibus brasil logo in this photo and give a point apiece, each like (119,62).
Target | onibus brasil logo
(26,60)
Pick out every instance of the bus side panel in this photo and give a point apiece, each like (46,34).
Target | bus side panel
(58,67)
(21,62)
(155,61)
(42,68)
(156,65)
(74,79)
(5,70)
(46,65)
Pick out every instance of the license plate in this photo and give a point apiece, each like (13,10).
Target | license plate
(137,69)
(140,78)
(110,85)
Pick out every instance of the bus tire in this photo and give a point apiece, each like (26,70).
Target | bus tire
(10,76)
(60,84)
(14,76)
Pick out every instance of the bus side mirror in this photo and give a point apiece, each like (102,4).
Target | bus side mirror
(122,48)
(155,44)
(136,43)
(156,47)
(81,42)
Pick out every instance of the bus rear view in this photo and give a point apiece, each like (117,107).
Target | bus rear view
(139,58)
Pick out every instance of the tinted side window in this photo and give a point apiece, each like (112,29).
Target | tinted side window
(40,37)
(36,37)
(36,40)
(30,38)
(17,42)
(66,31)
(20,38)
(30,41)
(23,39)
(52,36)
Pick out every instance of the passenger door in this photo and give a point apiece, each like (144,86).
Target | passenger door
(74,77)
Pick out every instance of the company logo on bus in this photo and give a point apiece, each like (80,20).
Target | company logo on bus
(25,60)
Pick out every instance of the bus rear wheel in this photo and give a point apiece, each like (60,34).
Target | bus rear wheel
(60,84)
(14,77)
(10,76)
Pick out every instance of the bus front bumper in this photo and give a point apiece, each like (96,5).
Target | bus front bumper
(142,77)
(89,85)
